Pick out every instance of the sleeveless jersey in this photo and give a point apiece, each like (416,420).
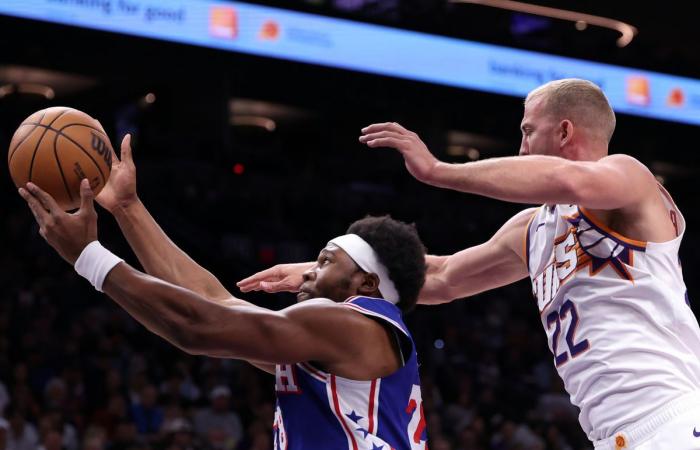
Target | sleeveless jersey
(319,410)
(616,314)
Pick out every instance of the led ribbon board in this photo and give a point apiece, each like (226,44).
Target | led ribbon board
(344,44)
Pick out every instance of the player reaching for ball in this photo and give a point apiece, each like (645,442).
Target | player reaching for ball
(602,254)
(345,364)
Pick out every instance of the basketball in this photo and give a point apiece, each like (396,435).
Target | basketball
(56,148)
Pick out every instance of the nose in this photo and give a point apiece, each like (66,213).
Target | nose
(309,274)
(524,150)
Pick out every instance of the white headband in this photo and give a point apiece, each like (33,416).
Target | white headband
(364,256)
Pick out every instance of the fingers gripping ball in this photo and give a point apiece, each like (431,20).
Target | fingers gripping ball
(55,149)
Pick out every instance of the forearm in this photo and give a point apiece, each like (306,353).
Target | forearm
(529,179)
(434,291)
(161,257)
(182,317)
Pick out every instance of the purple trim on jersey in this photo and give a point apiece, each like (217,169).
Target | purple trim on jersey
(591,222)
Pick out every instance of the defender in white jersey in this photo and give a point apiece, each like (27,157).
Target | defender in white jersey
(602,253)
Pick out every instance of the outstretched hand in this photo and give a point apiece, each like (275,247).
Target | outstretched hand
(419,161)
(280,278)
(67,233)
(120,190)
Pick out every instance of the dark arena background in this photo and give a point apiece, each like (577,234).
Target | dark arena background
(249,157)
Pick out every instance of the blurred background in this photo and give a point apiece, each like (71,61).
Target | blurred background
(248,157)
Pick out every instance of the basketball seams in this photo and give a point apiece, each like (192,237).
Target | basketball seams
(48,127)
(104,179)
(60,133)
(36,125)
(60,167)
(101,131)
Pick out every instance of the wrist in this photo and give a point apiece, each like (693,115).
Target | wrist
(124,210)
(436,176)
(95,262)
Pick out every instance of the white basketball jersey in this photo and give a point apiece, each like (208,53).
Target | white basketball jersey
(616,314)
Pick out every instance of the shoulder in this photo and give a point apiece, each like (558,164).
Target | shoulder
(323,313)
(622,160)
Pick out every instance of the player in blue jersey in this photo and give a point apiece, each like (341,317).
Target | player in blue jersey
(345,364)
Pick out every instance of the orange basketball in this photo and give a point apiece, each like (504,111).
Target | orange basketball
(56,148)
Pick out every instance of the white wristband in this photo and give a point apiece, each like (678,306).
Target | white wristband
(95,262)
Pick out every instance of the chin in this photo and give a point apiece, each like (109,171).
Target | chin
(303,296)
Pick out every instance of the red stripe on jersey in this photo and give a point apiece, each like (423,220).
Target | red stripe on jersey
(339,413)
(372,390)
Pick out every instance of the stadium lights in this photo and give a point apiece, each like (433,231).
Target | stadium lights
(581,20)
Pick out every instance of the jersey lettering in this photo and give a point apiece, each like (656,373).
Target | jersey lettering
(286,379)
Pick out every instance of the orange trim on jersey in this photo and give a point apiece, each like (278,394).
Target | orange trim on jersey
(526,241)
(588,215)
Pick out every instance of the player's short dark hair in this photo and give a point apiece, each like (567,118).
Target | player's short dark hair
(400,249)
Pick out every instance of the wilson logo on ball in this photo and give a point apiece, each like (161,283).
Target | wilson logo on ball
(99,145)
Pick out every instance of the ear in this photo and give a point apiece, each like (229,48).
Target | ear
(370,285)
(566,132)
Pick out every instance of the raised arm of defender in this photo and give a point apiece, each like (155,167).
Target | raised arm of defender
(613,182)
(497,262)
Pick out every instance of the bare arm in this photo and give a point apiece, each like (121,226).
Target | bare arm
(613,182)
(495,263)
(203,327)
(158,255)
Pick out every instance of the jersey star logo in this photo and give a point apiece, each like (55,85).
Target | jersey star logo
(353,416)
(363,431)
(374,447)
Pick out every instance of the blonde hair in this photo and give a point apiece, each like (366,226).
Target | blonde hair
(580,101)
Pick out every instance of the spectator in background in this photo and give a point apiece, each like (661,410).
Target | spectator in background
(179,435)
(217,423)
(147,414)
(22,435)
(52,440)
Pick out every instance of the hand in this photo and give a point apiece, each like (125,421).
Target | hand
(120,190)
(280,278)
(419,161)
(67,233)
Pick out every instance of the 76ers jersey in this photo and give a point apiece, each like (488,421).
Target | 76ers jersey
(318,410)
(616,313)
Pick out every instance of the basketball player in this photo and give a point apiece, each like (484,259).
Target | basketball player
(345,364)
(602,254)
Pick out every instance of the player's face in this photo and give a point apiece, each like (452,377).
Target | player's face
(539,131)
(335,276)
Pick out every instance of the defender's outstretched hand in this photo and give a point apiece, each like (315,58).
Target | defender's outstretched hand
(280,278)
(419,161)
(67,233)
(120,190)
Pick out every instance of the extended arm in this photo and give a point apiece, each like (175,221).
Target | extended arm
(495,263)
(200,326)
(613,182)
